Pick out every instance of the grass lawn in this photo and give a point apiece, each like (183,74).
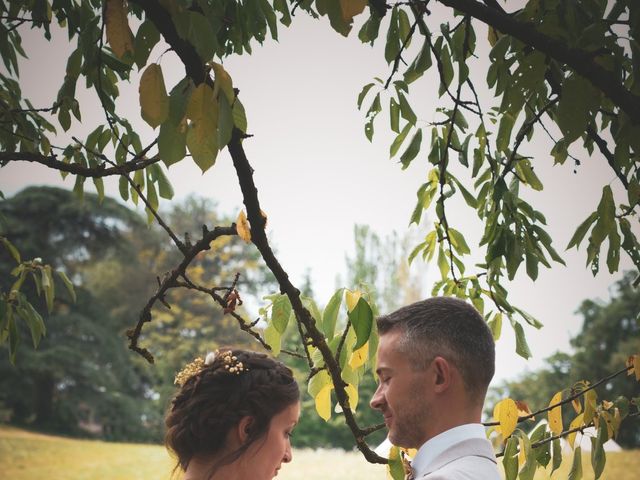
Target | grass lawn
(30,456)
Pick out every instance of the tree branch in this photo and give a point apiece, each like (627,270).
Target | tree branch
(170,281)
(52,161)
(259,239)
(579,60)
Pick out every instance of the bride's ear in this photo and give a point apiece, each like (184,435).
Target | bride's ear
(244,428)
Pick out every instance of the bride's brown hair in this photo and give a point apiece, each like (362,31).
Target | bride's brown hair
(217,396)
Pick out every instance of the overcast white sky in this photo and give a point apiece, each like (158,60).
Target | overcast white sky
(317,174)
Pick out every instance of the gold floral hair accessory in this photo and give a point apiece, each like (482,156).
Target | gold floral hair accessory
(231,363)
(189,371)
(229,360)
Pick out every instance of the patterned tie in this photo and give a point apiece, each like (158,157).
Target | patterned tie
(408,471)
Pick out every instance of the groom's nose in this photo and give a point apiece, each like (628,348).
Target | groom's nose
(377,401)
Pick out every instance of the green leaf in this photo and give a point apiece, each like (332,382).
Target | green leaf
(239,115)
(522,348)
(420,64)
(203,133)
(392,47)
(164,186)
(123,187)
(576,467)
(458,242)
(271,18)
(273,338)
(507,121)
(510,459)
(581,231)
(361,318)
(172,139)
(280,313)
(468,197)
(318,382)
(195,28)
(147,37)
(330,314)
(67,283)
(404,27)
(443,263)
(579,98)
(406,111)
(98,182)
(395,468)
(34,321)
(337,20)
(394,115)
(495,325)
(557,455)
(447,70)
(282,7)
(529,468)
(412,150)
(369,31)
(598,457)
(613,254)
(363,93)
(397,142)
(12,249)
(525,171)
(48,286)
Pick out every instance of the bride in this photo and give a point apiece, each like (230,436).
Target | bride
(233,417)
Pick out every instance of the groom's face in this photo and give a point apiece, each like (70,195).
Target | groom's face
(402,395)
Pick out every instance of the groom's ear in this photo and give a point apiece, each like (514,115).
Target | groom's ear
(442,374)
(244,428)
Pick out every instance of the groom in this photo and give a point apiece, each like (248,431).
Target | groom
(436,358)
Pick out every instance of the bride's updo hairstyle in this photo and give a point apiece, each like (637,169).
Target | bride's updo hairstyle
(216,393)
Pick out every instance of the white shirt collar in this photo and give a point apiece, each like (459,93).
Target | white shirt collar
(441,442)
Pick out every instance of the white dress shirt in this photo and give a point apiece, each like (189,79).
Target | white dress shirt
(443,441)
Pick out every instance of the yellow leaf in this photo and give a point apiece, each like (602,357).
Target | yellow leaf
(323,402)
(577,406)
(359,357)
(410,452)
(506,413)
(119,34)
(222,82)
(242,227)
(202,137)
(352,394)
(154,101)
(351,8)
(555,415)
(636,362)
(606,404)
(352,299)
(577,422)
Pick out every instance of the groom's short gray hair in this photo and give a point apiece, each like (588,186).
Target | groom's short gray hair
(450,328)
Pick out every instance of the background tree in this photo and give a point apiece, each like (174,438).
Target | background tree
(610,333)
(570,64)
(81,380)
